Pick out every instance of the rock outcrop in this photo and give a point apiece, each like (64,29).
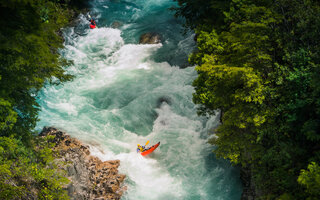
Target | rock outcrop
(90,177)
(116,24)
(150,38)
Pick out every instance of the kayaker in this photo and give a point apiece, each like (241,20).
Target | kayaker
(140,148)
(92,23)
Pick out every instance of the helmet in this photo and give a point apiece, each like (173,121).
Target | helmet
(139,145)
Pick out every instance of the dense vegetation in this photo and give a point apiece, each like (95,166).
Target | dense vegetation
(29,44)
(258,62)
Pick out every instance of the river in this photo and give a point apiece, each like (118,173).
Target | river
(125,94)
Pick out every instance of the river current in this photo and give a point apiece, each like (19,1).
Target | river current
(125,93)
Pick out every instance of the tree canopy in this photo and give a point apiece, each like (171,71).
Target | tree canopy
(29,58)
(258,62)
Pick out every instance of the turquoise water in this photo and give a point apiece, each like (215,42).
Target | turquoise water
(124,94)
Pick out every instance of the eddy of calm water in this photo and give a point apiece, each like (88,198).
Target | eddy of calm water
(125,93)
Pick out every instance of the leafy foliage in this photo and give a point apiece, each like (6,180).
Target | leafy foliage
(196,12)
(29,57)
(29,173)
(259,64)
(311,179)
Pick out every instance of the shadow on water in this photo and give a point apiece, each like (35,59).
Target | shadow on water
(229,178)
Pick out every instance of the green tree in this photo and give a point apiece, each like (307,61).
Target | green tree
(259,66)
(311,180)
(29,57)
(30,173)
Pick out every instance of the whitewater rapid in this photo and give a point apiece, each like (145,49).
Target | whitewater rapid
(125,93)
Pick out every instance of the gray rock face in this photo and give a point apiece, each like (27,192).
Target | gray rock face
(90,177)
(150,38)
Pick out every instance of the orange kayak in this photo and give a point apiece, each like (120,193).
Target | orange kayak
(150,150)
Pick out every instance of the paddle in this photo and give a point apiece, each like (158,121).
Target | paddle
(145,146)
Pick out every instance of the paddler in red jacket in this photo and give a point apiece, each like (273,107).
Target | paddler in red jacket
(92,23)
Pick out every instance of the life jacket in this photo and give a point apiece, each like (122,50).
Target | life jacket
(92,25)
(140,149)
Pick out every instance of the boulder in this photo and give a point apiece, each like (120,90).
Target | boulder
(90,177)
(116,24)
(150,38)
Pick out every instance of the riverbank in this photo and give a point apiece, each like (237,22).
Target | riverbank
(90,178)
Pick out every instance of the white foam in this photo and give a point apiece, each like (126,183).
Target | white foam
(114,103)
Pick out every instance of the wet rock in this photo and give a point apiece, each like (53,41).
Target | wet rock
(150,38)
(67,142)
(90,177)
(164,99)
(116,24)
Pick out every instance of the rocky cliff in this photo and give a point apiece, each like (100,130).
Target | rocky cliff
(90,177)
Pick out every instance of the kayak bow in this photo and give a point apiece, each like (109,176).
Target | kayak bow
(150,150)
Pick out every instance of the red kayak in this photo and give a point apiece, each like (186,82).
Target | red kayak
(150,150)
